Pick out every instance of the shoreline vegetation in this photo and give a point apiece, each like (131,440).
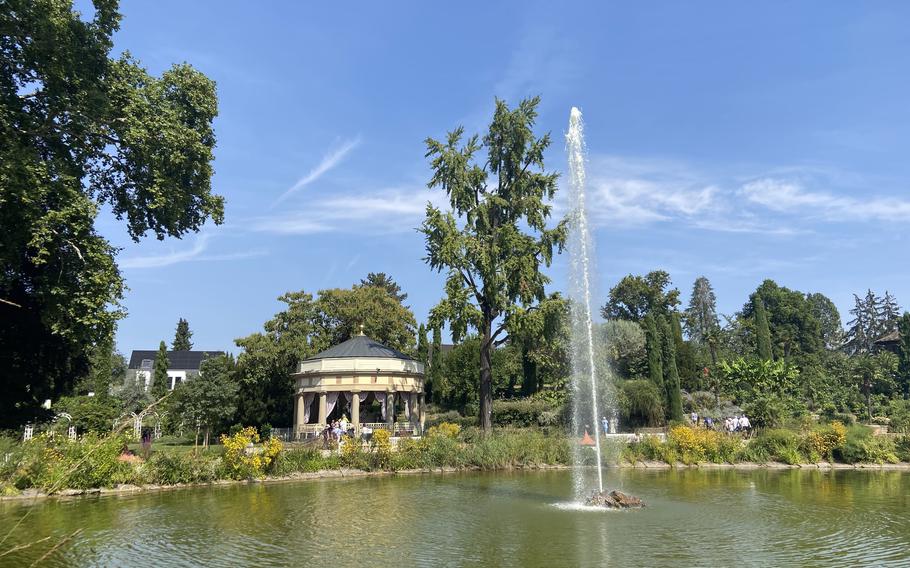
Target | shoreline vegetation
(46,467)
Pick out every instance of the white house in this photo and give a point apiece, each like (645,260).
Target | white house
(182,365)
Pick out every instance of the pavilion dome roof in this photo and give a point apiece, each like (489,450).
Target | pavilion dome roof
(360,346)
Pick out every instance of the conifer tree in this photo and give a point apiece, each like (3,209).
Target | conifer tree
(653,349)
(160,381)
(423,350)
(762,331)
(903,354)
(888,313)
(182,337)
(671,374)
(701,315)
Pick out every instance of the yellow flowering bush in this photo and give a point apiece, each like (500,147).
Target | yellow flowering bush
(381,444)
(243,458)
(822,442)
(446,429)
(694,445)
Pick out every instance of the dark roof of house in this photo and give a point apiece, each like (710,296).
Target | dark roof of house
(189,360)
(890,337)
(360,346)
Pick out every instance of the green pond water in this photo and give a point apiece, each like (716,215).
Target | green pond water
(693,518)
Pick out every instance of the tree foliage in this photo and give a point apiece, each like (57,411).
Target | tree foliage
(79,131)
(654,348)
(182,337)
(701,315)
(384,281)
(305,327)
(903,354)
(671,373)
(493,265)
(828,317)
(634,297)
(160,382)
(794,329)
(208,401)
(762,332)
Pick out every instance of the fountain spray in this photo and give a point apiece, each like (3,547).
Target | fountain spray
(581,253)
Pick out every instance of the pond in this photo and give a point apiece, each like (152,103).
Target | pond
(693,517)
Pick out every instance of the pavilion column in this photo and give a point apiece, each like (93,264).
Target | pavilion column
(422,415)
(390,408)
(355,411)
(299,414)
(322,408)
(414,408)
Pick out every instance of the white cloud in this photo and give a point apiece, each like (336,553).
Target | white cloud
(194,254)
(383,211)
(328,162)
(791,197)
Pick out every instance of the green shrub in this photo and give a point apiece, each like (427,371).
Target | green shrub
(56,463)
(862,446)
(640,403)
(774,445)
(303,460)
(521,412)
(168,468)
(902,448)
(899,414)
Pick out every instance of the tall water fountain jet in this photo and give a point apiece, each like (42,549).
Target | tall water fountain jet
(584,367)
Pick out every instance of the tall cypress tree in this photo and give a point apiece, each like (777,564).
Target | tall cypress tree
(671,373)
(423,350)
(653,348)
(762,331)
(182,337)
(160,382)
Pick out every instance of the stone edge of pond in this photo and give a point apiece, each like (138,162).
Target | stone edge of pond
(357,473)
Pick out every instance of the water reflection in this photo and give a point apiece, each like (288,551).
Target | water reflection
(716,517)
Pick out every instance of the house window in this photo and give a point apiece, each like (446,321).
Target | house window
(146,364)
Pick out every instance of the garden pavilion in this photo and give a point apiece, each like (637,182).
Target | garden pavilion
(350,377)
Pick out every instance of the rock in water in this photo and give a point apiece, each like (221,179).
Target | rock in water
(614,500)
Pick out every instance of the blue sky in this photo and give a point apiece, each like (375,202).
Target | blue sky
(741,141)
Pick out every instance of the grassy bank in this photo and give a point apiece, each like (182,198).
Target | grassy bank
(812,444)
(51,465)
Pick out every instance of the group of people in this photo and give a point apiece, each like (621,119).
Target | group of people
(335,430)
(731,424)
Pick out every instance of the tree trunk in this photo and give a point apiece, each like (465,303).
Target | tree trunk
(486,376)
(196,442)
(206,437)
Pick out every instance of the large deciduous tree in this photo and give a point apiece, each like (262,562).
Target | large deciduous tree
(828,317)
(79,131)
(494,240)
(634,297)
(208,401)
(309,325)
